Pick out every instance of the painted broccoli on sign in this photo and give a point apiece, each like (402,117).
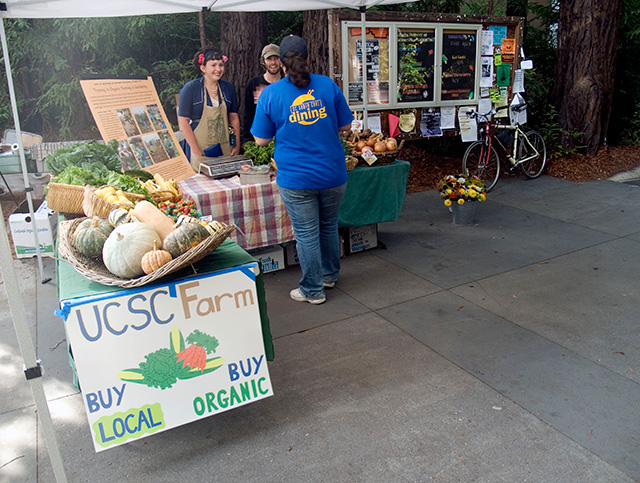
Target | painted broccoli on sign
(162,368)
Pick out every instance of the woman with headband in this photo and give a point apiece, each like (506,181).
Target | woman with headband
(208,108)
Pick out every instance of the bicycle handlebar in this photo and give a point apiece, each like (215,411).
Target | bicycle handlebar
(494,110)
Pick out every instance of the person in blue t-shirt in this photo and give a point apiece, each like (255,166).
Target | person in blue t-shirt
(305,113)
(205,124)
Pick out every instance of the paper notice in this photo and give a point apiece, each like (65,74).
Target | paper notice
(448,117)
(468,126)
(486,72)
(518,80)
(487,42)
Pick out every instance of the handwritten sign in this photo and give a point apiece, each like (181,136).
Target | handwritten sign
(415,65)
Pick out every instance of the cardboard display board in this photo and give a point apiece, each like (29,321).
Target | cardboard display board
(130,111)
(154,358)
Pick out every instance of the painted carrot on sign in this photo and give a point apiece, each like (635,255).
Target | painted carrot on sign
(193,356)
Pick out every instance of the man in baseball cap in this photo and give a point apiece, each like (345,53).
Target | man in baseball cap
(270,60)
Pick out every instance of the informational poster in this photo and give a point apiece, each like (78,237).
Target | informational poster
(518,80)
(458,66)
(499,33)
(486,72)
(152,359)
(503,74)
(487,42)
(508,50)
(468,125)
(485,106)
(416,54)
(430,122)
(373,60)
(448,117)
(129,111)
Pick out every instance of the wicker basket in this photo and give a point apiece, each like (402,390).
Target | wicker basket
(65,198)
(388,157)
(351,161)
(94,269)
(93,205)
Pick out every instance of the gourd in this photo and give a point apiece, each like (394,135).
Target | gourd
(119,216)
(153,260)
(152,216)
(123,251)
(184,237)
(90,236)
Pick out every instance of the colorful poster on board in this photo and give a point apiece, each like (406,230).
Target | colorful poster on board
(151,359)
(129,111)
(416,54)
(458,66)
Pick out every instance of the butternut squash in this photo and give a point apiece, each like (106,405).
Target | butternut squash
(152,216)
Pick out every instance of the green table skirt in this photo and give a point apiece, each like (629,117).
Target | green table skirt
(375,194)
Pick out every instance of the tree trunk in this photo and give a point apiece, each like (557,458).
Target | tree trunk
(202,30)
(316,32)
(242,37)
(585,70)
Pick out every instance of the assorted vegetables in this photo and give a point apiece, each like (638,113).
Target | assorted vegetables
(94,157)
(259,154)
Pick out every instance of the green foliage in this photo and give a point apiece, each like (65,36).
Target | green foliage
(79,176)
(631,133)
(553,135)
(208,342)
(259,154)
(92,156)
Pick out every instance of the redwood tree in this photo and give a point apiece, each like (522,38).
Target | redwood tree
(242,37)
(585,69)
(316,32)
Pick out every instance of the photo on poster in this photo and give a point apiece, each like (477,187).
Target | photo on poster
(156,117)
(141,152)
(127,121)
(168,144)
(503,74)
(155,148)
(142,119)
(126,156)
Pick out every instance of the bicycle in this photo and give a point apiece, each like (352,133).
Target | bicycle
(529,153)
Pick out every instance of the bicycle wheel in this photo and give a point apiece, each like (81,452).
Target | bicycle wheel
(479,161)
(534,167)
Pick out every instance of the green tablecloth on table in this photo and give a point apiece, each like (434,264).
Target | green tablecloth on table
(73,285)
(375,194)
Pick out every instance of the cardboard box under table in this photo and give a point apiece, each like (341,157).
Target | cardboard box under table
(185,347)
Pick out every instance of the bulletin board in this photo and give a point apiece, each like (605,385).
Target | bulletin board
(422,68)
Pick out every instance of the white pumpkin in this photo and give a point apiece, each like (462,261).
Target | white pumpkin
(123,251)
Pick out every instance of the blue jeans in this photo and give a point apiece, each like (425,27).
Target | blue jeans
(314,216)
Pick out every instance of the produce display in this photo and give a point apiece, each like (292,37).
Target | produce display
(158,188)
(182,207)
(113,195)
(361,142)
(90,236)
(259,154)
(155,259)
(127,244)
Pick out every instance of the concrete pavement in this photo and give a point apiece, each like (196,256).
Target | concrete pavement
(504,351)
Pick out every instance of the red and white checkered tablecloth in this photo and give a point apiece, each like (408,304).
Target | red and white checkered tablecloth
(256,209)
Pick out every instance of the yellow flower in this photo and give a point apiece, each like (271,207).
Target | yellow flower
(473,193)
(482,197)
(447,202)
(461,201)
(449,191)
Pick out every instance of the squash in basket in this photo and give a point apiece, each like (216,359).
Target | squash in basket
(90,236)
(119,216)
(184,237)
(153,260)
(123,251)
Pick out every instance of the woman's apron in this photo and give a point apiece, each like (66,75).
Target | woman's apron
(213,128)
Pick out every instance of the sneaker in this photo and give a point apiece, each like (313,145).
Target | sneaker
(298,296)
(329,284)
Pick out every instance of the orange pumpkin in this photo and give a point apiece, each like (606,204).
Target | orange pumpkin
(153,260)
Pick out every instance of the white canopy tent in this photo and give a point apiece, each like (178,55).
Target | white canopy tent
(112,8)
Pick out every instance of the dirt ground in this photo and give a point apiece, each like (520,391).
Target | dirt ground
(428,169)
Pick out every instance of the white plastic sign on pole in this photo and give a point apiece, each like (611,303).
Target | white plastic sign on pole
(155,358)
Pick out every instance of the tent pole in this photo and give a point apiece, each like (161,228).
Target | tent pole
(363,53)
(25,175)
(32,368)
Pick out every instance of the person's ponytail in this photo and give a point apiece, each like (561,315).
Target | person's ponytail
(297,69)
